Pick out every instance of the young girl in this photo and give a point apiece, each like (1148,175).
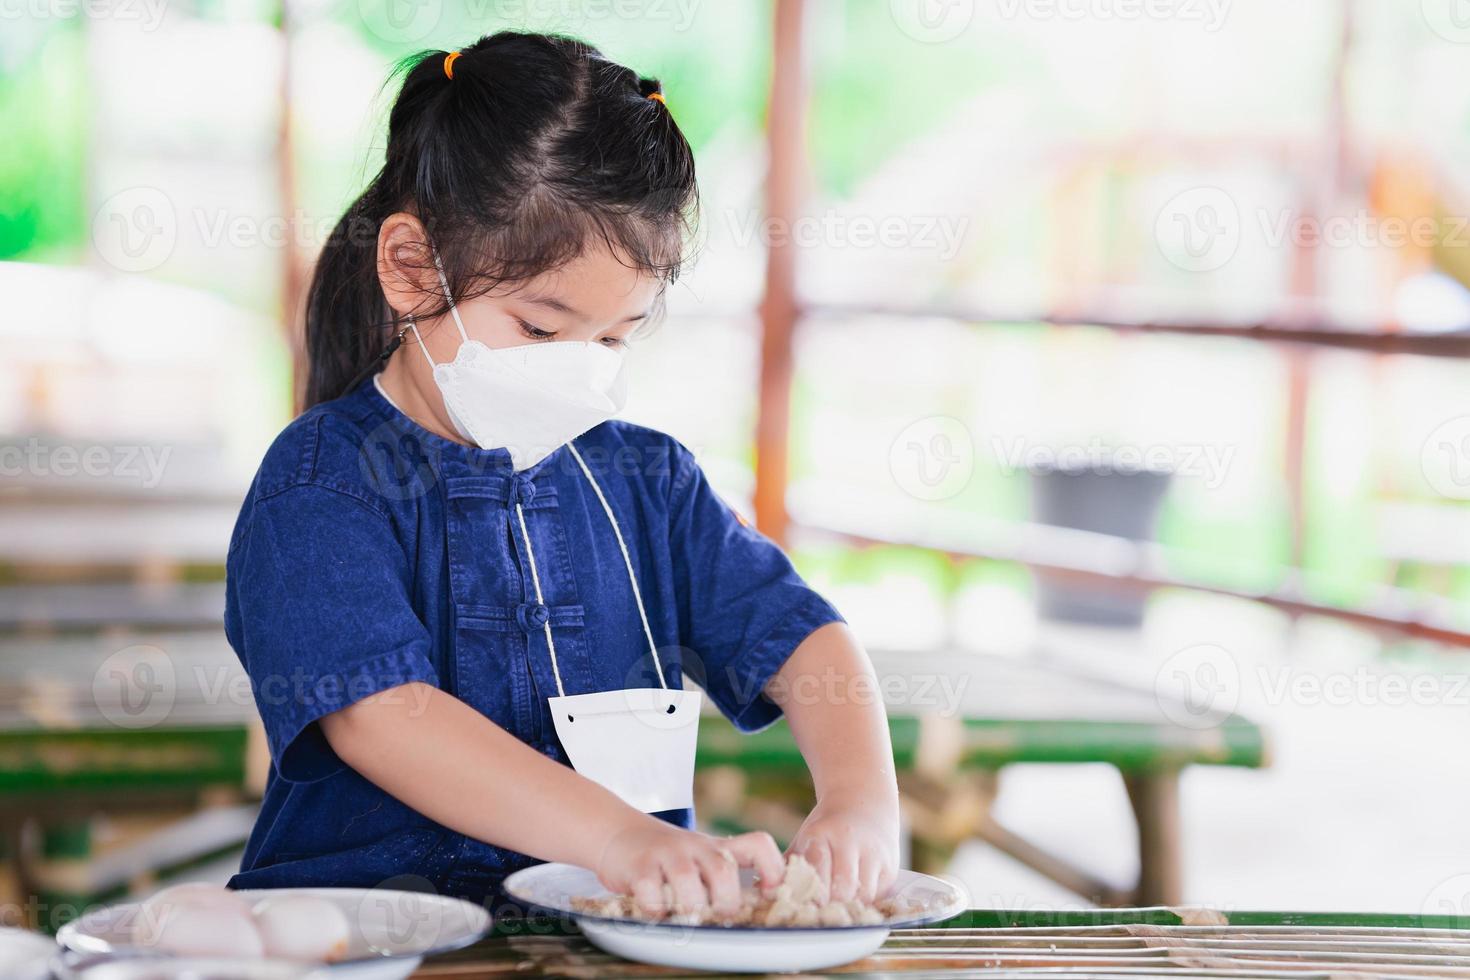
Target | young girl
(454,538)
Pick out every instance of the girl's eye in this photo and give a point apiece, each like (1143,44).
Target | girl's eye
(534,332)
(618,342)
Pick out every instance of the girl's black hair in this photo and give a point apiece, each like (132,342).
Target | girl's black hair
(536,147)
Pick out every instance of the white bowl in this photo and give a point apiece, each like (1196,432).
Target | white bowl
(392,931)
(744,949)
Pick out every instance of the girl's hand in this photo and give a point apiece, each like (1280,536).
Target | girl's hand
(701,871)
(852,841)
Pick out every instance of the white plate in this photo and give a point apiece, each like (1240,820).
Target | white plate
(392,931)
(25,955)
(748,949)
(123,966)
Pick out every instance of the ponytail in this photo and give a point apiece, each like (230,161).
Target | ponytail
(347,319)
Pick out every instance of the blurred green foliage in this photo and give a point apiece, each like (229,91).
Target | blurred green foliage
(42,171)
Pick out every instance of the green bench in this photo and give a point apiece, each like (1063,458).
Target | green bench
(62,751)
(949,748)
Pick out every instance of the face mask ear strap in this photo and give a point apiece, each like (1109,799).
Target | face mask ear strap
(413,325)
(448,298)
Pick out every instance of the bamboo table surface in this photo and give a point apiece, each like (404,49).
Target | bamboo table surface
(1102,944)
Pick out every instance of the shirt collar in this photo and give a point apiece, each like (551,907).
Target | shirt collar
(495,461)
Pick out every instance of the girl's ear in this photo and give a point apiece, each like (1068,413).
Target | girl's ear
(406,265)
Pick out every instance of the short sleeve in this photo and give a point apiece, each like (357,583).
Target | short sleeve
(318,609)
(743,609)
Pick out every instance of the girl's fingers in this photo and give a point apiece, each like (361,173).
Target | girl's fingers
(870,869)
(758,850)
(844,870)
(648,892)
(887,875)
(819,854)
(721,879)
(683,876)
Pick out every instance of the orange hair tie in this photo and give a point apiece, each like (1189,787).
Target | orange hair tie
(659,98)
(449,64)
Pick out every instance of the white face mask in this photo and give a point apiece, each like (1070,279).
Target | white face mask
(531,399)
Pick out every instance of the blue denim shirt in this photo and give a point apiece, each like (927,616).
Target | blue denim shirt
(371,553)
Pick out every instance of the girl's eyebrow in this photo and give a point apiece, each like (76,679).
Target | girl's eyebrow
(552,303)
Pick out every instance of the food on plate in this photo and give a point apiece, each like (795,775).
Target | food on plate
(198,922)
(800,900)
(303,927)
(209,930)
(211,921)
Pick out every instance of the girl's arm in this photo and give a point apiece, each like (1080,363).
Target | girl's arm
(829,694)
(455,766)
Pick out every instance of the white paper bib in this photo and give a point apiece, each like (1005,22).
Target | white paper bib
(639,743)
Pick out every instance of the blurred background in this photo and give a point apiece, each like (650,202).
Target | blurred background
(1103,360)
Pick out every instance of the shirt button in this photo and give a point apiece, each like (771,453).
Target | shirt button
(533,616)
(525,489)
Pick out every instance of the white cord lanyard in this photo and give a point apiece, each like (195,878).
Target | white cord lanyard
(627,562)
